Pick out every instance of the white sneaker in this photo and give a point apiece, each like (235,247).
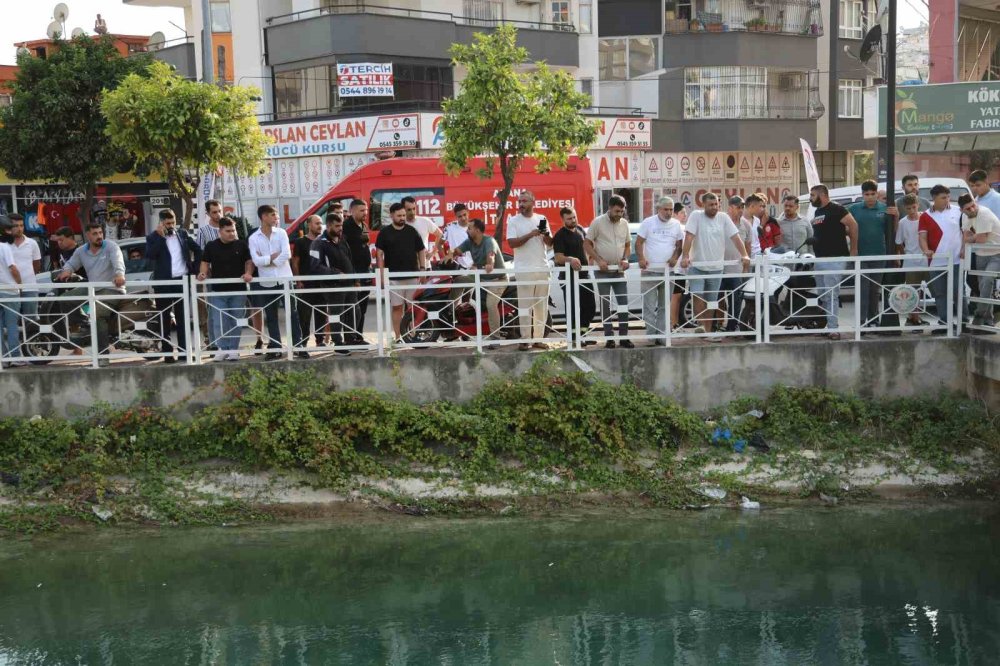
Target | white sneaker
(19,364)
(233,356)
(221,356)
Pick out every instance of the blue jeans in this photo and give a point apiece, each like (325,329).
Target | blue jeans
(270,299)
(937,282)
(10,342)
(984,311)
(828,288)
(225,308)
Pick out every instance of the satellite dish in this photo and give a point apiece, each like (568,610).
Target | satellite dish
(60,12)
(78,32)
(156,40)
(871,43)
(54,31)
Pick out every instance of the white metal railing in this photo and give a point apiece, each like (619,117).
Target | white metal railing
(985,277)
(85,323)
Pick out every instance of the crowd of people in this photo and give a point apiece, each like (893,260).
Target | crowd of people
(708,251)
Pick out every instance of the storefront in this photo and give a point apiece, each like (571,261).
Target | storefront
(308,158)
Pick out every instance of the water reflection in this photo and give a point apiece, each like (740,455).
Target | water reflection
(849,586)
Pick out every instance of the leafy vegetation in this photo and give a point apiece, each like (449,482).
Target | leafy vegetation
(509,109)
(185,128)
(53,130)
(584,433)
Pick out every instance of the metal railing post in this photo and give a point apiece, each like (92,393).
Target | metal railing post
(949,299)
(190,292)
(570,329)
(573,293)
(477,304)
(95,351)
(286,294)
(762,282)
(668,287)
(857,299)
(380,313)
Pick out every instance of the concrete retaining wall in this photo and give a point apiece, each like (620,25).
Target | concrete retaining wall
(699,377)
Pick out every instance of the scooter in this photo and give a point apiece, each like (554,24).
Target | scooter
(793,296)
(431,313)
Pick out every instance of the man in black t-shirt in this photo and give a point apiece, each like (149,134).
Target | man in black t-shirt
(832,227)
(400,250)
(310,303)
(356,237)
(227,257)
(568,247)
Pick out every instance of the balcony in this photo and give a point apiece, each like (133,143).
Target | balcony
(179,53)
(788,17)
(365,29)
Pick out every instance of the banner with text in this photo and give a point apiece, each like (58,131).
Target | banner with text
(365,79)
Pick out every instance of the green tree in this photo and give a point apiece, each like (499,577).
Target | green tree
(507,114)
(185,128)
(53,130)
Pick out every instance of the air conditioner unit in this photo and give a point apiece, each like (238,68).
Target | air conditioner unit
(792,81)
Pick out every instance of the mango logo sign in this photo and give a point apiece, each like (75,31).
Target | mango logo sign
(910,119)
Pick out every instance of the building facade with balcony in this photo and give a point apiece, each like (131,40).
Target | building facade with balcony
(727,83)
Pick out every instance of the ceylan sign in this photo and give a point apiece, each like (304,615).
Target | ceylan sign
(946,108)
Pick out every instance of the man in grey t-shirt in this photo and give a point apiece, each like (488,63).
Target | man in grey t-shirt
(103,262)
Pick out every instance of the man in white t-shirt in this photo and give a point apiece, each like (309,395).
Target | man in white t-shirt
(658,247)
(424,226)
(455,234)
(28,257)
(940,233)
(10,279)
(528,234)
(981,226)
(706,235)
(908,242)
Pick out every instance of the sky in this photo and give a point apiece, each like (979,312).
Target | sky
(34,16)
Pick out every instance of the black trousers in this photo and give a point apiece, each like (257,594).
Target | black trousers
(312,312)
(588,303)
(170,300)
(359,309)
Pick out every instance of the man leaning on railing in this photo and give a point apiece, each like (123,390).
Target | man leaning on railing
(103,261)
(981,226)
(227,257)
(485,255)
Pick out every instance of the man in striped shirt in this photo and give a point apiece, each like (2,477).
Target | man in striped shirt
(205,235)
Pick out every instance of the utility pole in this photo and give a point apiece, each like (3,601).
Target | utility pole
(890,106)
(207,73)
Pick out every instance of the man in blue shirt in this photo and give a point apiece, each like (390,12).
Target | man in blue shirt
(873,227)
(986,197)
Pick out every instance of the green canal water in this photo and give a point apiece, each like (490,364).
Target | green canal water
(786,586)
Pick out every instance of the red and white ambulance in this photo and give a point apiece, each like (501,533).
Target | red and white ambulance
(385,182)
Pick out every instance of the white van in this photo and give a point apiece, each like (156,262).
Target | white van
(846,196)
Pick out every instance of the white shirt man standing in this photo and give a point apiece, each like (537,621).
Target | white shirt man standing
(424,226)
(28,257)
(528,235)
(271,254)
(940,234)
(982,227)
(706,235)
(454,234)
(10,281)
(658,247)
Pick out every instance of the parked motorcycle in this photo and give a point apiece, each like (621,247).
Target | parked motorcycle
(790,302)
(66,324)
(452,319)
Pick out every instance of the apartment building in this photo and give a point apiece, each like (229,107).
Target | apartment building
(713,95)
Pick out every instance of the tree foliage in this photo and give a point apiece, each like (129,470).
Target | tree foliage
(506,114)
(186,128)
(53,130)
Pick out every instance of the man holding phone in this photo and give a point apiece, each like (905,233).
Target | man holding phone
(174,255)
(528,235)
(608,245)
